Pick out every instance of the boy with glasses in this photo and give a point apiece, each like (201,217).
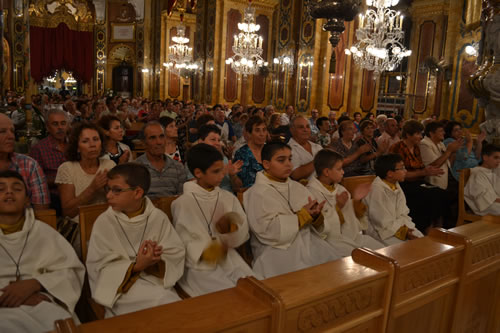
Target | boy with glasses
(135,256)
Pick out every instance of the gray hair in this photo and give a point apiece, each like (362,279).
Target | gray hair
(149,124)
(381,119)
(292,122)
(268,107)
(55,110)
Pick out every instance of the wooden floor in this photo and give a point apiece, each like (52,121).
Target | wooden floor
(446,282)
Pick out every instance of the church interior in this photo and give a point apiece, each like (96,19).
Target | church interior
(321,166)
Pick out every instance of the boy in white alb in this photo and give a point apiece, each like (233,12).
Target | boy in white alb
(344,216)
(212,224)
(41,277)
(482,192)
(283,218)
(387,209)
(135,256)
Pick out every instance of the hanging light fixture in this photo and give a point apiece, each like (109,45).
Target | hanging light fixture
(380,38)
(284,63)
(180,54)
(247,47)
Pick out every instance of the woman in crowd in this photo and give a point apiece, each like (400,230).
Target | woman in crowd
(364,165)
(172,149)
(250,153)
(82,178)
(466,157)
(346,147)
(427,203)
(114,149)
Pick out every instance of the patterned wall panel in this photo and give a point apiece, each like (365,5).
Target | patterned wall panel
(304,80)
(285,23)
(174,83)
(284,34)
(231,83)
(139,42)
(425,49)
(100,48)
(259,81)
(18,52)
(367,91)
(336,83)
(209,48)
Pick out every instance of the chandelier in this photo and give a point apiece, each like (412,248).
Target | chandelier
(284,62)
(180,54)
(247,47)
(380,38)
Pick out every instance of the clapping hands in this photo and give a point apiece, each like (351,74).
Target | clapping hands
(149,254)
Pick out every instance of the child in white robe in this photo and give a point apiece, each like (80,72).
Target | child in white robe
(41,277)
(344,216)
(283,218)
(482,191)
(212,224)
(135,256)
(387,209)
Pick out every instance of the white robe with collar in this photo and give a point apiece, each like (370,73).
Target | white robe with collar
(110,255)
(278,245)
(49,259)
(387,212)
(481,191)
(190,222)
(348,236)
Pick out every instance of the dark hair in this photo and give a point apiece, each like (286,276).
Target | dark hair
(203,119)
(356,113)
(72,153)
(365,123)
(489,149)
(449,128)
(342,118)
(202,156)
(432,127)
(205,130)
(342,126)
(320,120)
(105,121)
(253,121)
(398,118)
(13,174)
(386,163)
(165,121)
(271,148)
(325,159)
(134,174)
(411,127)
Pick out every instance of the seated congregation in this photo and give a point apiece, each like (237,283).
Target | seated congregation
(268,208)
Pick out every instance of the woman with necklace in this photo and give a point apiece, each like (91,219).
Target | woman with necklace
(82,178)
(114,149)
(172,149)
(345,146)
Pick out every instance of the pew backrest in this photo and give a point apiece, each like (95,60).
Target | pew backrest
(463,215)
(350,183)
(48,216)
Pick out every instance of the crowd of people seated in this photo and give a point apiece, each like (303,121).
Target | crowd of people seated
(289,167)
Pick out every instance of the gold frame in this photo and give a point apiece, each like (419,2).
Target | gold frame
(113,25)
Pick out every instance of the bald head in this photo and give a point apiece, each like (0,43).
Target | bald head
(391,126)
(300,128)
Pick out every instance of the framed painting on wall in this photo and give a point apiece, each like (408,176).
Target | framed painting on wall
(121,32)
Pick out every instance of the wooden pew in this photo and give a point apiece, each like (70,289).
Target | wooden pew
(248,307)
(478,301)
(48,216)
(350,183)
(339,296)
(427,274)
(463,214)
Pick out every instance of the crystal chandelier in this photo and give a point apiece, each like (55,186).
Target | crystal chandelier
(380,38)
(180,54)
(247,47)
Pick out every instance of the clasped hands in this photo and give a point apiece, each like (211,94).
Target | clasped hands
(149,254)
(23,292)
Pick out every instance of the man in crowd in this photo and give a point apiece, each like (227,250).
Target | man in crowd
(390,135)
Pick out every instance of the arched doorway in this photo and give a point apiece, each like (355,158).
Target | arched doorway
(122,64)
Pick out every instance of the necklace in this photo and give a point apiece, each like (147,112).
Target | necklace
(18,272)
(288,195)
(324,196)
(203,213)
(128,240)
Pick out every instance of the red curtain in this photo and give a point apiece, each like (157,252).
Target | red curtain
(61,48)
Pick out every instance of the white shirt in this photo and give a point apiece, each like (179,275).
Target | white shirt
(431,152)
(300,156)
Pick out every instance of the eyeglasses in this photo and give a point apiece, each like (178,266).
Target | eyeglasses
(117,190)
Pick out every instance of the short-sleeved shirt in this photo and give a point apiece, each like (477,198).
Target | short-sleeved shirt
(33,176)
(46,152)
(300,156)
(413,161)
(250,166)
(71,172)
(167,182)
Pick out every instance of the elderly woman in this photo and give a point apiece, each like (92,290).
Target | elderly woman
(364,165)
(427,203)
(350,151)
(114,149)
(466,157)
(82,178)
(172,148)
